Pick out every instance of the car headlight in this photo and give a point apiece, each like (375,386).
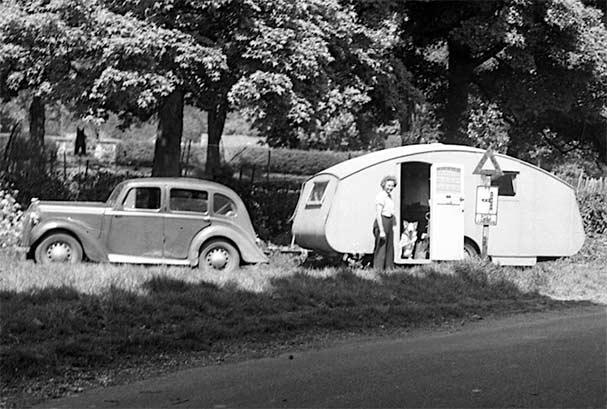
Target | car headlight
(34,218)
(34,215)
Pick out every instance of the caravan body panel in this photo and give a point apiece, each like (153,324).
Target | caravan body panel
(539,217)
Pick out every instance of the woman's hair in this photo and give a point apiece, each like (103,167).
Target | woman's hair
(386,179)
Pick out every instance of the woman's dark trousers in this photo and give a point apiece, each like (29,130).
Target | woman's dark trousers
(383,254)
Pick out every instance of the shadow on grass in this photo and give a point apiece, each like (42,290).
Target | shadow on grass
(46,331)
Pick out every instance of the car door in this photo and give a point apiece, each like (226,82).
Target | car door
(136,226)
(187,214)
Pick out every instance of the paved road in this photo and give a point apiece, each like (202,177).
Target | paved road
(540,360)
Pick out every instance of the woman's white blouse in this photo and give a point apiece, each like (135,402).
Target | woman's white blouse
(386,203)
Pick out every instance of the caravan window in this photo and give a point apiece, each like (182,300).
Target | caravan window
(506,184)
(317,193)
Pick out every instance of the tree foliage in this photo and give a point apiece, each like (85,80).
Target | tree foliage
(527,76)
(40,46)
(542,63)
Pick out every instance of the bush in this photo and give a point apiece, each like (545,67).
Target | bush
(270,205)
(36,182)
(97,186)
(10,219)
(593,207)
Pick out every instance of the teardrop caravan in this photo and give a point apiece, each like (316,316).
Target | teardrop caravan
(537,217)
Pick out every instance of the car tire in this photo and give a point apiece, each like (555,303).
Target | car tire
(219,256)
(58,248)
(470,251)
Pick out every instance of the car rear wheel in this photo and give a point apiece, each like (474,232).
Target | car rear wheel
(58,248)
(219,256)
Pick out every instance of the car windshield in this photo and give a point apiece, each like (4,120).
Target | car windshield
(114,195)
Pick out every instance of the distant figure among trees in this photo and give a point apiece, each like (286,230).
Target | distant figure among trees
(80,148)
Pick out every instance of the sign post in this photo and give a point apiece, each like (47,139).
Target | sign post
(486,197)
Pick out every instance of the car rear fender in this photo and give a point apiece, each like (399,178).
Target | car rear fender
(91,245)
(249,251)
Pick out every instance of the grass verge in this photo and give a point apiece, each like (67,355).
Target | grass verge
(57,321)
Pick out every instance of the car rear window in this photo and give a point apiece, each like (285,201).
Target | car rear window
(189,200)
(223,205)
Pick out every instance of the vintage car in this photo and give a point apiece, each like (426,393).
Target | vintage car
(178,221)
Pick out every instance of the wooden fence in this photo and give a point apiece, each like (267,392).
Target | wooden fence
(591,185)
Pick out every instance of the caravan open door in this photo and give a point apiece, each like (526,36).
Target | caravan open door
(446,212)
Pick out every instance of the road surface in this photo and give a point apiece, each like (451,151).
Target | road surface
(536,360)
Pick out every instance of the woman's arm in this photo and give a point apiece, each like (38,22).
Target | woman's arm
(380,224)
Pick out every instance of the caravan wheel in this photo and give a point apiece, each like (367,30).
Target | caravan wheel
(471,251)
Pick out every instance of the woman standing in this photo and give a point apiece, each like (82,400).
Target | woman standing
(383,254)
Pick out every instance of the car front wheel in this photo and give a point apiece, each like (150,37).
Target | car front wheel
(219,255)
(58,248)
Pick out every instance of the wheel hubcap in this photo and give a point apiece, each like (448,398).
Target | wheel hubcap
(218,258)
(59,252)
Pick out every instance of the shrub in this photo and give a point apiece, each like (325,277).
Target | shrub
(270,205)
(593,207)
(97,186)
(10,219)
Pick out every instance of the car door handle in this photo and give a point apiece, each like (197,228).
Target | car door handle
(206,218)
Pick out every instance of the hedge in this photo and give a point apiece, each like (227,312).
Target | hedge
(287,161)
(292,161)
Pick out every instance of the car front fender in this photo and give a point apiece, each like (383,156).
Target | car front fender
(249,251)
(93,248)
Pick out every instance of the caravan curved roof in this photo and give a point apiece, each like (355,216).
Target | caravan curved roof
(349,167)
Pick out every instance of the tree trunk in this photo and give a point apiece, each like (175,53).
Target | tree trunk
(460,73)
(36,120)
(168,137)
(216,121)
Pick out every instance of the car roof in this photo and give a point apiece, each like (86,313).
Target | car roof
(181,182)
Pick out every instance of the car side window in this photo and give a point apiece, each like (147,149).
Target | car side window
(142,198)
(189,200)
(223,205)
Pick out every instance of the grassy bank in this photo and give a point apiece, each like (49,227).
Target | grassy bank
(57,321)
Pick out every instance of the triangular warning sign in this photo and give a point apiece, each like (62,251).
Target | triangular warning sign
(496,171)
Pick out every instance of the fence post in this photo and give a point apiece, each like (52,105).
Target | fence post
(51,163)
(187,158)
(64,166)
(268,165)
(579,181)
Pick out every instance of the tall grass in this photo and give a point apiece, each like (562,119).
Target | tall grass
(88,318)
